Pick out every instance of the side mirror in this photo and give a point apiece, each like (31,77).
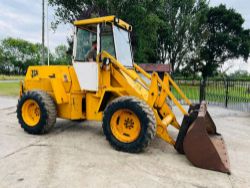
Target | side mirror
(106,61)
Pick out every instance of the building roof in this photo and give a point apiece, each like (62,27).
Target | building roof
(150,67)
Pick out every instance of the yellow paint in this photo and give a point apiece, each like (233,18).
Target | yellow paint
(59,91)
(161,130)
(92,102)
(76,106)
(110,19)
(126,78)
(179,90)
(125,126)
(163,95)
(168,119)
(143,72)
(31,112)
(153,90)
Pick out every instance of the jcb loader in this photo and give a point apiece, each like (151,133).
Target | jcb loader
(110,87)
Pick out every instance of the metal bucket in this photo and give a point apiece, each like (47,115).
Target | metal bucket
(199,140)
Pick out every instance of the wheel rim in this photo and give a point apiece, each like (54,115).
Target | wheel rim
(31,112)
(125,125)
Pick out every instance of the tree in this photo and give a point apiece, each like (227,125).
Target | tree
(240,74)
(2,67)
(18,54)
(61,57)
(226,39)
(198,36)
(180,21)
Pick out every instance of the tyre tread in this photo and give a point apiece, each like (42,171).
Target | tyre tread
(151,126)
(47,104)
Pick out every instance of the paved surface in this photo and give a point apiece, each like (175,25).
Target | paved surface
(9,81)
(77,155)
(7,102)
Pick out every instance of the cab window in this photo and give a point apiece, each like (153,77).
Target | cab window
(85,38)
(107,39)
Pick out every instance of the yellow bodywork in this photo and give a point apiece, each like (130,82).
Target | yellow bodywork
(62,84)
(115,80)
(105,19)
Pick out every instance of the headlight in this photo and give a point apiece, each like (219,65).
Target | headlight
(116,20)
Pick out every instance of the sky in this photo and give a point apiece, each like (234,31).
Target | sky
(22,19)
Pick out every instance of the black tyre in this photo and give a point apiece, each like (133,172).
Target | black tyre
(129,124)
(36,112)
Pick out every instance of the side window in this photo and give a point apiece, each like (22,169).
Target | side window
(85,38)
(107,40)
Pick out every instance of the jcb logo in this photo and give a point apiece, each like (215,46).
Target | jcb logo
(34,73)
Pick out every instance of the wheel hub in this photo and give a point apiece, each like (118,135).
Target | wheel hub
(125,125)
(129,123)
(31,112)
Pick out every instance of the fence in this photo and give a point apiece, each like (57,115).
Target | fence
(233,94)
(191,88)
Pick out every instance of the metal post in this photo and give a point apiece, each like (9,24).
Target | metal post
(43,50)
(47,5)
(226,102)
(202,90)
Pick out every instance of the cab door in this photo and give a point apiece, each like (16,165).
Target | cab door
(87,71)
(87,74)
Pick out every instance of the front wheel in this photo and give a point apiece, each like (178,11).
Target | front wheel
(129,124)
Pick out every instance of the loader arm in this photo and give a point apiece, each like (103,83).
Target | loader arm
(197,136)
(156,94)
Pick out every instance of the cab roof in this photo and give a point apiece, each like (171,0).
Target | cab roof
(105,19)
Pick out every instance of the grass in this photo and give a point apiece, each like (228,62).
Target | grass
(237,93)
(9,88)
(192,92)
(9,84)
(11,77)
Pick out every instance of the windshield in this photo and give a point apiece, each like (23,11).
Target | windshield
(107,40)
(84,39)
(123,48)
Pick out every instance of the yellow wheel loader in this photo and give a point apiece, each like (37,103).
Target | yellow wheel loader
(103,84)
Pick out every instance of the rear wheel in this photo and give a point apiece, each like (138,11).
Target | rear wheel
(129,124)
(36,112)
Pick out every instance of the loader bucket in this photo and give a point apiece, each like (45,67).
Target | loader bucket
(199,140)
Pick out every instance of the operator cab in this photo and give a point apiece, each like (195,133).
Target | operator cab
(93,36)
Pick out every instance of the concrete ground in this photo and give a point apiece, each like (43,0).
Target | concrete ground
(77,155)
